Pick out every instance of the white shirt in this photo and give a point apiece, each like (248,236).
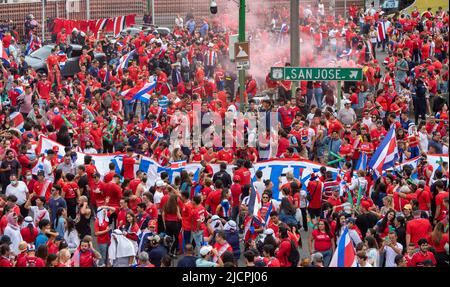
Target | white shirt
(259,186)
(303,203)
(157,198)
(179,22)
(48,172)
(20,191)
(423,141)
(311,134)
(39,214)
(390,255)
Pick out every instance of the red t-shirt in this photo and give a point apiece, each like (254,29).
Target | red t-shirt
(322,241)
(236,191)
(244,174)
(418,228)
(315,190)
(128,167)
(104,238)
(70,189)
(186,216)
(213,200)
(114,192)
(29,236)
(198,215)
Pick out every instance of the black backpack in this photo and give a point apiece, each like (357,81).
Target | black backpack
(294,256)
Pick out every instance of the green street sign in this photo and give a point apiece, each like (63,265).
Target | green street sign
(316,74)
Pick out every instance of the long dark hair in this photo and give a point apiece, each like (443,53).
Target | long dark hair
(171,206)
(327,228)
(384,222)
(70,224)
(337,231)
(287,206)
(128,225)
(59,213)
(42,252)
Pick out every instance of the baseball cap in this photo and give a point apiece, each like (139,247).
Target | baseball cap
(155,238)
(365,204)
(205,250)
(268,231)
(31,247)
(159,183)
(236,178)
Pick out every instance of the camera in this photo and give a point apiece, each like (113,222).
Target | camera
(213,7)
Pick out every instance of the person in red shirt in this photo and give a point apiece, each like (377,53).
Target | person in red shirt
(417,228)
(285,249)
(85,255)
(214,198)
(269,256)
(422,255)
(5,253)
(314,189)
(113,192)
(128,164)
(438,239)
(101,231)
(186,218)
(441,208)
(29,232)
(321,241)
(30,260)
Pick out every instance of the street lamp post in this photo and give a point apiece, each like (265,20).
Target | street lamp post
(241,38)
(294,39)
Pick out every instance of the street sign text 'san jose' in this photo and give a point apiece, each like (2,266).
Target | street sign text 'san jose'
(316,74)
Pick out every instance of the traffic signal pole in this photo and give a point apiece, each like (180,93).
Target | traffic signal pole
(295,42)
(241,73)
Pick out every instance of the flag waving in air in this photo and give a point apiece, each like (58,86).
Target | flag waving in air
(345,254)
(3,55)
(386,154)
(362,162)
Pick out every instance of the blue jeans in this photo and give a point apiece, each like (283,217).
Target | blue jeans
(326,257)
(318,94)
(186,238)
(309,95)
(103,250)
(198,239)
(128,109)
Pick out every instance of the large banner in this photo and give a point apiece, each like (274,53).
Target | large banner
(271,169)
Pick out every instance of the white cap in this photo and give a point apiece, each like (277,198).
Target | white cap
(268,231)
(56,110)
(205,250)
(211,45)
(345,101)
(28,219)
(74,30)
(159,183)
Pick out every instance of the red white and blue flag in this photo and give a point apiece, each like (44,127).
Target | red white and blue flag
(345,254)
(119,25)
(17,121)
(123,61)
(3,55)
(100,25)
(145,92)
(386,154)
(177,164)
(382,31)
(362,162)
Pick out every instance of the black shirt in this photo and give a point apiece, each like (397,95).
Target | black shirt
(224,177)
(14,168)
(82,184)
(365,221)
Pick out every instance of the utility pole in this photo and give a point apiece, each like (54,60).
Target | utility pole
(295,41)
(241,38)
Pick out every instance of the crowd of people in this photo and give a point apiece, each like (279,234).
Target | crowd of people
(68,215)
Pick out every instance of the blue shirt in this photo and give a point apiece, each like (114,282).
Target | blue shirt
(54,204)
(187,261)
(40,240)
